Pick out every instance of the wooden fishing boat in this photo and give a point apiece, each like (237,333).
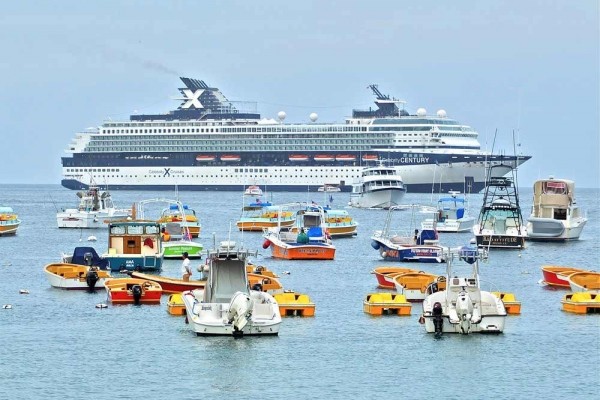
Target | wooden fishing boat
(133,291)
(75,277)
(587,281)
(386,303)
(170,285)
(557,275)
(385,275)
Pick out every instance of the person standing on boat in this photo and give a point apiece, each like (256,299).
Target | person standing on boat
(186,270)
(165,235)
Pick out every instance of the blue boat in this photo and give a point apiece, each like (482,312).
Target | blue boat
(134,245)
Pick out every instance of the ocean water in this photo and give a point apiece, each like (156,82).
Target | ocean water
(56,344)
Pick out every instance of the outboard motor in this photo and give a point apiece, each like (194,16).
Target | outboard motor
(88,257)
(136,291)
(257,286)
(91,278)
(438,321)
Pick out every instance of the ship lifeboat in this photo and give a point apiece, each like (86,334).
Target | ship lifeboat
(345,157)
(298,157)
(324,157)
(370,157)
(230,157)
(205,157)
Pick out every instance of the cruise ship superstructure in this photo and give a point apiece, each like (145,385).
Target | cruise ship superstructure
(211,143)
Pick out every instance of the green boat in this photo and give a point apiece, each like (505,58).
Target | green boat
(176,248)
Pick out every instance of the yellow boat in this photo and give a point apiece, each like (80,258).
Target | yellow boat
(291,303)
(260,270)
(9,221)
(175,305)
(264,283)
(584,281)
(511,304)
(414,285)
(582,303)
(386,303)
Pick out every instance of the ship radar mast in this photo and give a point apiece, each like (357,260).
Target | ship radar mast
(386,106)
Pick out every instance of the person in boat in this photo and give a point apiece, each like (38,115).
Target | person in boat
(164,235)
(302,237)
(186,269)
(416,237)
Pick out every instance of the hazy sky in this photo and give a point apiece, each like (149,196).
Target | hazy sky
(531,67)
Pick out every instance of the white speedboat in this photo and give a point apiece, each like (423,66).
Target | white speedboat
(227,305)
(452,215)
(463,307)
(500,222)
(95,210)
(377,187)
(555,215)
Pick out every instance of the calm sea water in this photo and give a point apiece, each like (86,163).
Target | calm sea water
(56,344)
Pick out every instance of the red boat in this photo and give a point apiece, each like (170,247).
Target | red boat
(385,275)
(170,285)
(133,291)
(370,157)
(558,276)
(324,157)
(345,157)
(298,157)
(205,157)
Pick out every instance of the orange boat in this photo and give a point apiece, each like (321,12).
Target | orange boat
(169,285)
(582,303)
(133,291)
(587,281)
(414,285)
(324,157)
(385,275)
(264,283)
(557,275)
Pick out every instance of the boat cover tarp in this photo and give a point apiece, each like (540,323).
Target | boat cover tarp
(79,257)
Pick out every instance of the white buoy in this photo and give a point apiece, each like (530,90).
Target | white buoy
(92,238)
(101,305)
(7,306)
(286,272)
(24,291)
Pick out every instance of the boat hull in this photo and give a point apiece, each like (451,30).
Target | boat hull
(260,226)
(488,324)
(176,249)
(121,291)
(87,220)
(383,198)
(302,252)
(72,277)
(558,276)
(170,285)
(8,228)
(551,230)
(120,262)
(416,253)
(500,241)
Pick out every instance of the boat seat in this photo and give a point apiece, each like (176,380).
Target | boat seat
(262,310)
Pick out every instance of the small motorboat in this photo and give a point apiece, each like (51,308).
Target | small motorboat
(386,303)
(582,303)
(9,221)
(260,215)
(451,216)
(413,285)
(253,190)
(385,275)
(295,304)
(463,307)
(169,285)
(133,291)
(228,305)
(557,275)
(587,281)
(75,276)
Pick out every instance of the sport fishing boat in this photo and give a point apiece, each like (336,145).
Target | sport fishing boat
(95,210)
(212,143)
(377,187)
(463,307)
(555,215)
(500,222)
(227,305)
(400,245)
(9,221)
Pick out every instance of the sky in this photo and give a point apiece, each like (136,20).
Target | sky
(528,69)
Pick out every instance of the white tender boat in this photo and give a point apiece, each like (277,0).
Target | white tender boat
(452,215)
(377,187)
(555,215)
(95,210)
(463,307)
(227,305)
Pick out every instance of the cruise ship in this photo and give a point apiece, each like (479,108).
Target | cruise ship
(211,143)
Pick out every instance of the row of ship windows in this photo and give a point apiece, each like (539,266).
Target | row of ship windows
(296,147)
(243,130)
(236,170)
(195,138)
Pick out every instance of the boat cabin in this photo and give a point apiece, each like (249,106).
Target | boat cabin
(134,237)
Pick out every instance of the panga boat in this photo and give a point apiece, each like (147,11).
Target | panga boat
(9,221)
(463,307)
(169,285)
(584,281)
(510,302)
(386,303)
(413,285)
(582,302)
(295,304)
(385,275)
(132,291)
(175,305)
(557,275)
(227,305)
(75,276)
(314,244)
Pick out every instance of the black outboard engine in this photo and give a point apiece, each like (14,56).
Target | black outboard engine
(257,287)
(136,291)
(88,257)
(91,278)
(438,321)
